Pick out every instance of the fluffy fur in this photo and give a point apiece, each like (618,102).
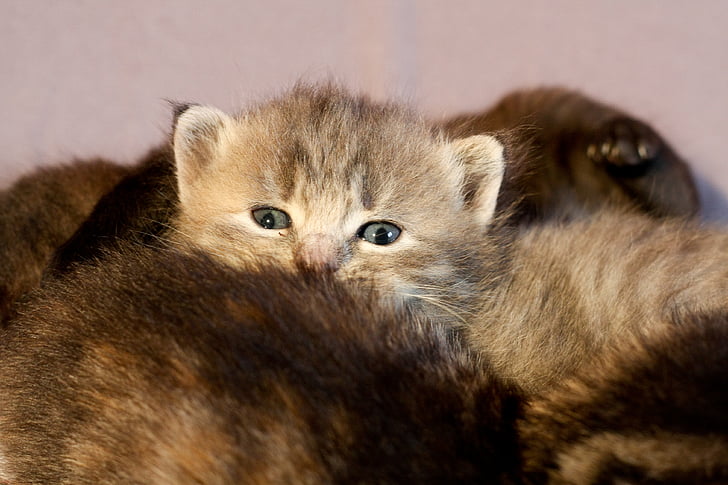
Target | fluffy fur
(168,366)
(156,367)
(570,153)
(551,295)
(538,300)
(334,162)
(567,290)
(137,210)
(649,411)
(566,153)
(40,212)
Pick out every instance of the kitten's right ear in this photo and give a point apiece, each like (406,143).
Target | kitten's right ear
(482,159)
(198,131)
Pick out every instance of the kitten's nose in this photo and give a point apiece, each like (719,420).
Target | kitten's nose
(318,251)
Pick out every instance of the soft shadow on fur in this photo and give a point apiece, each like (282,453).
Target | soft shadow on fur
(156,367)
(39,213)
(651,410)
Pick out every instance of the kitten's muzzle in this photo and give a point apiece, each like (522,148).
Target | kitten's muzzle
(319,252)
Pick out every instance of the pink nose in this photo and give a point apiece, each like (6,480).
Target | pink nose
(318,251)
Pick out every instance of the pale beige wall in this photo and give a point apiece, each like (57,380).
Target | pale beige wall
(87,77)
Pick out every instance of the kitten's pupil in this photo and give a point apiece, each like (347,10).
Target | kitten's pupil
(379,233)
(268,221)
(270,218)
(382,236)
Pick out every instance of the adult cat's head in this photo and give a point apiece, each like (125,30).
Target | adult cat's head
(324,179)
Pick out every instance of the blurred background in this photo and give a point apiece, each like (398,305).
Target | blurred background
(85,78)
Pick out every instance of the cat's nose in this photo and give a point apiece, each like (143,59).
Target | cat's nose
(319,252)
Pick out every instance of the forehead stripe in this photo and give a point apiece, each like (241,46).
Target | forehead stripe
(294,155)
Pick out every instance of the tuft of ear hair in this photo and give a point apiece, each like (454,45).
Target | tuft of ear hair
(177,109)
(197,133)
(482,159)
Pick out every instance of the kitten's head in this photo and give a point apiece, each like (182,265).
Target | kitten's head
(324,179)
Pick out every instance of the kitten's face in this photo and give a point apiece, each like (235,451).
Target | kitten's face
(324,180)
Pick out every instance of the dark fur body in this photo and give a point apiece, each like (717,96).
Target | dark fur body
(162,368)
(157,367)
(555,140)
(39,213)
(650,411)
(138,209)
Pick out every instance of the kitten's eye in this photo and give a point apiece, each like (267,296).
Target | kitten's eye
(270,218)
(379,232)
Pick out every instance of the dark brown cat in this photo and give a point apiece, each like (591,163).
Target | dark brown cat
(649,411)
(570,153)
(39,213)
(156,367)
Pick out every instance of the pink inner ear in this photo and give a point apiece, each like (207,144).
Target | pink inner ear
(318,251)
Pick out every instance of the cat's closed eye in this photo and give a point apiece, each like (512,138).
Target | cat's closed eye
(270,218)
(379,232)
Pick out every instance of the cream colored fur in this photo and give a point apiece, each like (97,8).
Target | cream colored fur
(573,289)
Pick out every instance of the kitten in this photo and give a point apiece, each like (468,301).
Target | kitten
(158,367)
(650,411)
(569,153)
(314,178)
(40,212)
(319,147)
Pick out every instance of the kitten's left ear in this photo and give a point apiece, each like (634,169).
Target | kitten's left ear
(198,132)
(482,158)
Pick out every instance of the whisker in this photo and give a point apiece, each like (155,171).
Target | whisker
(185,241)
(437,303)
